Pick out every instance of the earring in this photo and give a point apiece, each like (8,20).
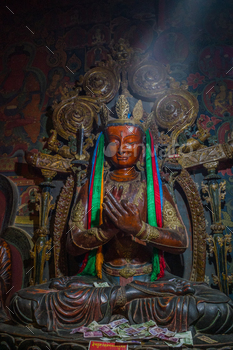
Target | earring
(106,169)
(140,165)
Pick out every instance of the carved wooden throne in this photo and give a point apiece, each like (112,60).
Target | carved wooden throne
(75,121)
(70,145)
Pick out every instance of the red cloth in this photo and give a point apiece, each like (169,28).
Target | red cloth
(84,263)
(158,208)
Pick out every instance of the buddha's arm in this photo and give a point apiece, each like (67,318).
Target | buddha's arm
(80,239)
(172,237)
(127,217)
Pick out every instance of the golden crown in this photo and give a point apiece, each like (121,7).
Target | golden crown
(123,110)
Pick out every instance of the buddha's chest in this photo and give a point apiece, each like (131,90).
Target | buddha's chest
(122,249)
(132,191)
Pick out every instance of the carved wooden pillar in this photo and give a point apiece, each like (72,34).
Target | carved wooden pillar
(41,252)
(219,242)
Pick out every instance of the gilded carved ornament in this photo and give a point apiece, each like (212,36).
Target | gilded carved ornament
(101,83)
(220,190)
(218,152)
(175,110)
(224,243)
(148,78)
(71,113)
(194,144)
(59,235)
(211,165)
(198,225)
(122,111)
(219,243)
(128,271)
(78,214)
(121,52)
(49,162)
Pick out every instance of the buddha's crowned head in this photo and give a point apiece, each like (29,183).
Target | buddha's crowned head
(124,145)
(125,135)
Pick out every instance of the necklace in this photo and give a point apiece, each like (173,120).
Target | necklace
(133,190)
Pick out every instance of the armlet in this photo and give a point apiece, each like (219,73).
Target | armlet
(170,218)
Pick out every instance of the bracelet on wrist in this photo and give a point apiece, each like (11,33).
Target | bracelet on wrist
(143,228)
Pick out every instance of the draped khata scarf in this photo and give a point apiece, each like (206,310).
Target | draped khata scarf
(93,260)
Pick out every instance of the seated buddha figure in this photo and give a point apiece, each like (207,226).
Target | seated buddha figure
(121,223)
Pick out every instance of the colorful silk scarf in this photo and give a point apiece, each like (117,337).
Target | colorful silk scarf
(92,263)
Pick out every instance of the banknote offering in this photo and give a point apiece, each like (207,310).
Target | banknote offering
(150,323)
(169,339)
(131,331)
(118,322)
(154,332)
(101,285)
(140,328)
(81,329)
(123,325)
(170,334)
(93,326)
(120,331)
(161,330)
(107,331)
(185,338)
(207,339)
(95,334)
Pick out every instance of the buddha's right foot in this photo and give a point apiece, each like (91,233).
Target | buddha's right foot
(60,283)
(139,289)
(69,282)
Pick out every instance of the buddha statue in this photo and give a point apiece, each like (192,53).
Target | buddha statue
(121,223)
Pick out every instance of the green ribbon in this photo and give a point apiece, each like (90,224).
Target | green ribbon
(90,268)
(96,194)
(151,204)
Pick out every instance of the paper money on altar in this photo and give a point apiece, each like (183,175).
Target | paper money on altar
(131,331)
(159,330)
(150,323)
(117,323)
(155,331)
(107,331)
(81,329)
(139,327)
(123,326)
(101,285)
(93,326)
(170,334)
(120,330)
(94,334)
(185,338)
(169,339)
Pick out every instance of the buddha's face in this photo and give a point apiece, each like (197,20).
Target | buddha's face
(124,145)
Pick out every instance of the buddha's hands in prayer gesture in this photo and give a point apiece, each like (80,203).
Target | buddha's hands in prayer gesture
(108,225)
(124,215)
